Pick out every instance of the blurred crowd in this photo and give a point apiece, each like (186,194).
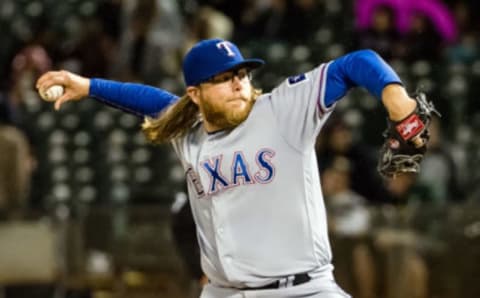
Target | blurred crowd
(144,41)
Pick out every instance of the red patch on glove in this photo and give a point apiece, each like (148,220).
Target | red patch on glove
(410,127)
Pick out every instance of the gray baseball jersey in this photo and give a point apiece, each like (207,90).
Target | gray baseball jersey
(255,190)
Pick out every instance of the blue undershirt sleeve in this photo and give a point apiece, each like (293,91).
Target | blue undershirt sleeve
(137,99)
(364,68)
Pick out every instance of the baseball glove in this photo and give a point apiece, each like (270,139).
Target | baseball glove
(406,140)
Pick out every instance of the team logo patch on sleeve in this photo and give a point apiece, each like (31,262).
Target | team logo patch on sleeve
(293,80)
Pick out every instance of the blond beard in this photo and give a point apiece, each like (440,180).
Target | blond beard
(226,118)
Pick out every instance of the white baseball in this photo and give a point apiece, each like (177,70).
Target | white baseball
(52,93)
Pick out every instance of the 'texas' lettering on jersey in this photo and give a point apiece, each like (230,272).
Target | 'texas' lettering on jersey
(241,172)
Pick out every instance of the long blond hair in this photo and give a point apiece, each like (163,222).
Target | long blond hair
(176,120)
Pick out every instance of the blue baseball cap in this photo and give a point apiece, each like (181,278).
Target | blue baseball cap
(210,57)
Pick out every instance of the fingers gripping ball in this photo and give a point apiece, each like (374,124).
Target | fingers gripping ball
(52,93)
(406,140)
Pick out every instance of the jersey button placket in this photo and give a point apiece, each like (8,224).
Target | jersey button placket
(222,245)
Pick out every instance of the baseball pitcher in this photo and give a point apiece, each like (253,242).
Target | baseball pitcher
(250,162)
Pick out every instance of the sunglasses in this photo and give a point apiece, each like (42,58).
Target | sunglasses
(241,73)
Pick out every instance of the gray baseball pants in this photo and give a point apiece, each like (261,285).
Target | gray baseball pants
(316,288)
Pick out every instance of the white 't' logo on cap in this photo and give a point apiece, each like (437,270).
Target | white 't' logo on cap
(226,46)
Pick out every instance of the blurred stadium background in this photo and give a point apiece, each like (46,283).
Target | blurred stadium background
(89,209)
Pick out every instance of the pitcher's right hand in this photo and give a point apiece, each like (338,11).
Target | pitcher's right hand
(75,86)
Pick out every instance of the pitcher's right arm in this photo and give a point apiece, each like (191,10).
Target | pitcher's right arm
(134,98)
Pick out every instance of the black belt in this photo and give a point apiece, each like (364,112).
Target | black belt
(294,280)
